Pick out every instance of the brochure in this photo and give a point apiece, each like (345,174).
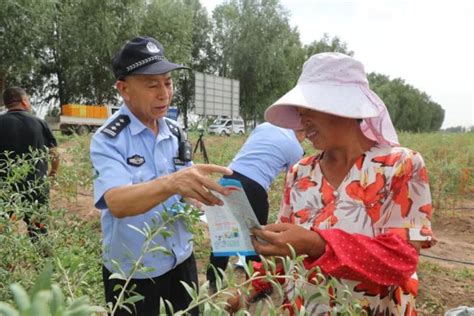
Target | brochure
(230,224)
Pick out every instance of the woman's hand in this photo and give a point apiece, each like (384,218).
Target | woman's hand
(273,240)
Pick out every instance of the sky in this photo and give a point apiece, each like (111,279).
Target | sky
(429,44)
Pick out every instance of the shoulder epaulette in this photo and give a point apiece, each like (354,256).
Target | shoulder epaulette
(174,128)
(116,126)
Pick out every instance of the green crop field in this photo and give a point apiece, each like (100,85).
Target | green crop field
(73,248)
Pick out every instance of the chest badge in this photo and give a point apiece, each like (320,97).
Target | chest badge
(136,160)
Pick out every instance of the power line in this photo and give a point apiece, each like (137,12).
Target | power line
(446,259)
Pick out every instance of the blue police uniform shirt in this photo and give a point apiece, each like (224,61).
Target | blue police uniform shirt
(268,150)
(136,155)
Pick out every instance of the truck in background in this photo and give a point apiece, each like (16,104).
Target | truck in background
(83,119)
(80,118)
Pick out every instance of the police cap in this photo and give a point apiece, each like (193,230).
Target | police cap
(142,55)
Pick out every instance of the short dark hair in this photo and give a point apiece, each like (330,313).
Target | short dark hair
(13,95)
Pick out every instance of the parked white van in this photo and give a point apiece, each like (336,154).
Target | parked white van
(227,127)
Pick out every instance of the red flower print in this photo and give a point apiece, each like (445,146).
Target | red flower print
(427,209)
(410,286)
(371,195)
(305,183)
(402,232)
(327,212)
(292,174)
(400,187)
(327,192)
(286,196)
(371,289)
(360,161)
(303,215)
(423,174)
(410,311)
(388,160)
(308,160)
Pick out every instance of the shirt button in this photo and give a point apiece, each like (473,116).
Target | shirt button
(335,194)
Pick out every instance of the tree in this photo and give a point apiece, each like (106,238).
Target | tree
(201,52)
(175,32)
(106,25)
(170,22)
(327,44)
(410,109)
(84,36)
(256,45)
(22,28)
(61,51)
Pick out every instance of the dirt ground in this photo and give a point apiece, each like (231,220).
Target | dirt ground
(443,284)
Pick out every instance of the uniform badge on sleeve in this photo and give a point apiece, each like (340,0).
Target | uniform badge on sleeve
(136,160)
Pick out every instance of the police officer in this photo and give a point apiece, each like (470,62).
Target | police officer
(139,173)
(22,133)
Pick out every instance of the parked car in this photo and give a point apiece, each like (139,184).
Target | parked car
(227,127)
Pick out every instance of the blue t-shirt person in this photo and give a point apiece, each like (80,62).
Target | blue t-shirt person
(268,151)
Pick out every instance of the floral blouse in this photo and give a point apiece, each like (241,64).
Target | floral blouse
(383,201)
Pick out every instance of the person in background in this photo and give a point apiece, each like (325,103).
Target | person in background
(22,133)
(139,172)
(268,151)
(360,210)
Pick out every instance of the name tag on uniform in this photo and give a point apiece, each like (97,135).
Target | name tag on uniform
(136,160)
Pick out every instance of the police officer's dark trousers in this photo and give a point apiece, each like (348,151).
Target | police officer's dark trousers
(166,286)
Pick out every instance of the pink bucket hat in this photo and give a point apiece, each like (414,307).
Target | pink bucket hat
(335,83)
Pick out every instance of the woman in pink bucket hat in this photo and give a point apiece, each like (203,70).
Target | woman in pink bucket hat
(361,208)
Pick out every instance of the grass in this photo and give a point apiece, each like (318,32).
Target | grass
(73,245)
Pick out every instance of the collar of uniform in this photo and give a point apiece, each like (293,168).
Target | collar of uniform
(163,130)
(136,126)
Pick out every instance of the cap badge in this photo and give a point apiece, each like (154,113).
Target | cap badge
(152,48)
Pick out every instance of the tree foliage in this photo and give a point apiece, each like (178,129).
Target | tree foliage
(327,44)
(22,30)
(61,52)
(257,46)
(409,108)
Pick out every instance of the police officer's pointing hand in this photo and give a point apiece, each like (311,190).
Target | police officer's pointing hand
(193,182)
